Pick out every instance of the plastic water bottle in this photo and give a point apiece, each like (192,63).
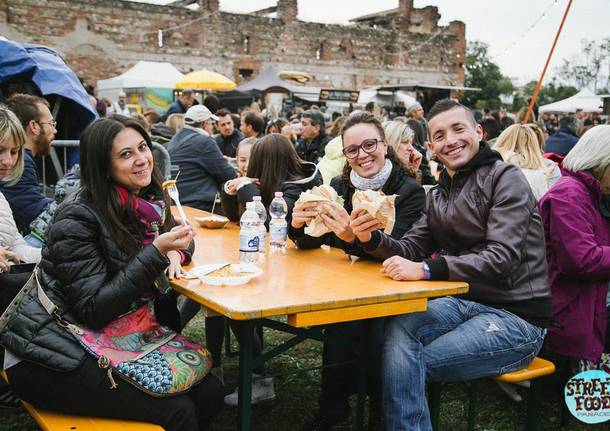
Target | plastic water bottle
(248,235)
(278,228)
(262,230)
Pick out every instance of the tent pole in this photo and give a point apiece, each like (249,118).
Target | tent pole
(548,60)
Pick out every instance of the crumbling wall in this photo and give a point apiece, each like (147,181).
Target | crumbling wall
(102,38)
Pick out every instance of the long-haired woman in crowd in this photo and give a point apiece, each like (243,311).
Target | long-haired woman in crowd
(576,218)
(13,248)
(274,166)
(419,143)
(12,143)
(371,165)
(105,255)
(400,138)
(540,135)
(519,145)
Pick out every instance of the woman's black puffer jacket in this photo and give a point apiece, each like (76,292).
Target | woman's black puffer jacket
(89,278)
(409,205)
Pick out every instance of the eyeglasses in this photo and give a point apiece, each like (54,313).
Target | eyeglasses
(368,146)
(51,123)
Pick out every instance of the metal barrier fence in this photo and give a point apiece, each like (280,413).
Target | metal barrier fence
(59,167)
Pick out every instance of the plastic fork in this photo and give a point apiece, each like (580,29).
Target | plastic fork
(173,193)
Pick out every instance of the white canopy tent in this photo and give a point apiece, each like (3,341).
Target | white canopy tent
(585,99)
(385,98)
(145,74)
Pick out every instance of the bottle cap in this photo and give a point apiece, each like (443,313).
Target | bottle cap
(279,194)
(249,206)
(256,198)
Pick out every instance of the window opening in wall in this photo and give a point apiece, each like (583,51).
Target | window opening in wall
(247,44)
(245,73)
(319,51)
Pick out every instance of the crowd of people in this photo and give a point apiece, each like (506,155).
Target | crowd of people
(520,211)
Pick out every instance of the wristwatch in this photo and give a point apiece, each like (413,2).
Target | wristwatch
(426,269)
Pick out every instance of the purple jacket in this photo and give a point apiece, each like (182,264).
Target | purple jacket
(578,255)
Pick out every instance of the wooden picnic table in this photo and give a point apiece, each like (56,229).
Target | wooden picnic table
(308,287)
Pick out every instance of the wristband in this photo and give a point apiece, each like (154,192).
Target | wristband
(426,269)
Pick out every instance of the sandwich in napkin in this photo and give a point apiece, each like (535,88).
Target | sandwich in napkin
(378,205)
(319,194)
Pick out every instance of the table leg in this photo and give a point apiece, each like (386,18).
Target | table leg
(362,361)
(245,376)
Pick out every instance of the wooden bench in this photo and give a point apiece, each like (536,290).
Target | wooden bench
(537,368)
(50,421)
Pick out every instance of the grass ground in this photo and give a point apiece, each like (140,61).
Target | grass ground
(297,395)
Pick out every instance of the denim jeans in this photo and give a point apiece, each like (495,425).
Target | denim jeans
(453,340)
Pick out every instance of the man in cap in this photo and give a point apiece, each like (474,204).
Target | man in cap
(203,169)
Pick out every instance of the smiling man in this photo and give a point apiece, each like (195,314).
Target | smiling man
(480,225)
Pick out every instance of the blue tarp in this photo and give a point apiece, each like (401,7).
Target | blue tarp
(47,70)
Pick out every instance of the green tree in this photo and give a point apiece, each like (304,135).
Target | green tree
(589,68)
(483,73)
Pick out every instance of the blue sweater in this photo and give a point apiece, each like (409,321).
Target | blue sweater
(561,142)
(203,170)
(25,197)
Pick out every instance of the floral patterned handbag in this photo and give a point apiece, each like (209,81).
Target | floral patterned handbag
(138,349)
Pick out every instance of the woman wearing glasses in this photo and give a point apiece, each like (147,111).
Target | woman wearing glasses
(370,165)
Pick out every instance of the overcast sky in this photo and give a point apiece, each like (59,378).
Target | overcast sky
(500,23)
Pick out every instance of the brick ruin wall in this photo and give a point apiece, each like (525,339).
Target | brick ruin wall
(102,38)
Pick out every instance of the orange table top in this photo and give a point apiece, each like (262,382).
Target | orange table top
(304,281)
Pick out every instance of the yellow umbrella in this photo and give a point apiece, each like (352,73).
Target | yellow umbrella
(205,80)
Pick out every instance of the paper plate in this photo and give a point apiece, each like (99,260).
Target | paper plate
(212,222)
(202,271)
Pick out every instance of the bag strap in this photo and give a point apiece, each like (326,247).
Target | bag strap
(52,309)
(46,302)
(14,305)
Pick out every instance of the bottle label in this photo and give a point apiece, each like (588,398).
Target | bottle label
(248,243)
(277,234)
